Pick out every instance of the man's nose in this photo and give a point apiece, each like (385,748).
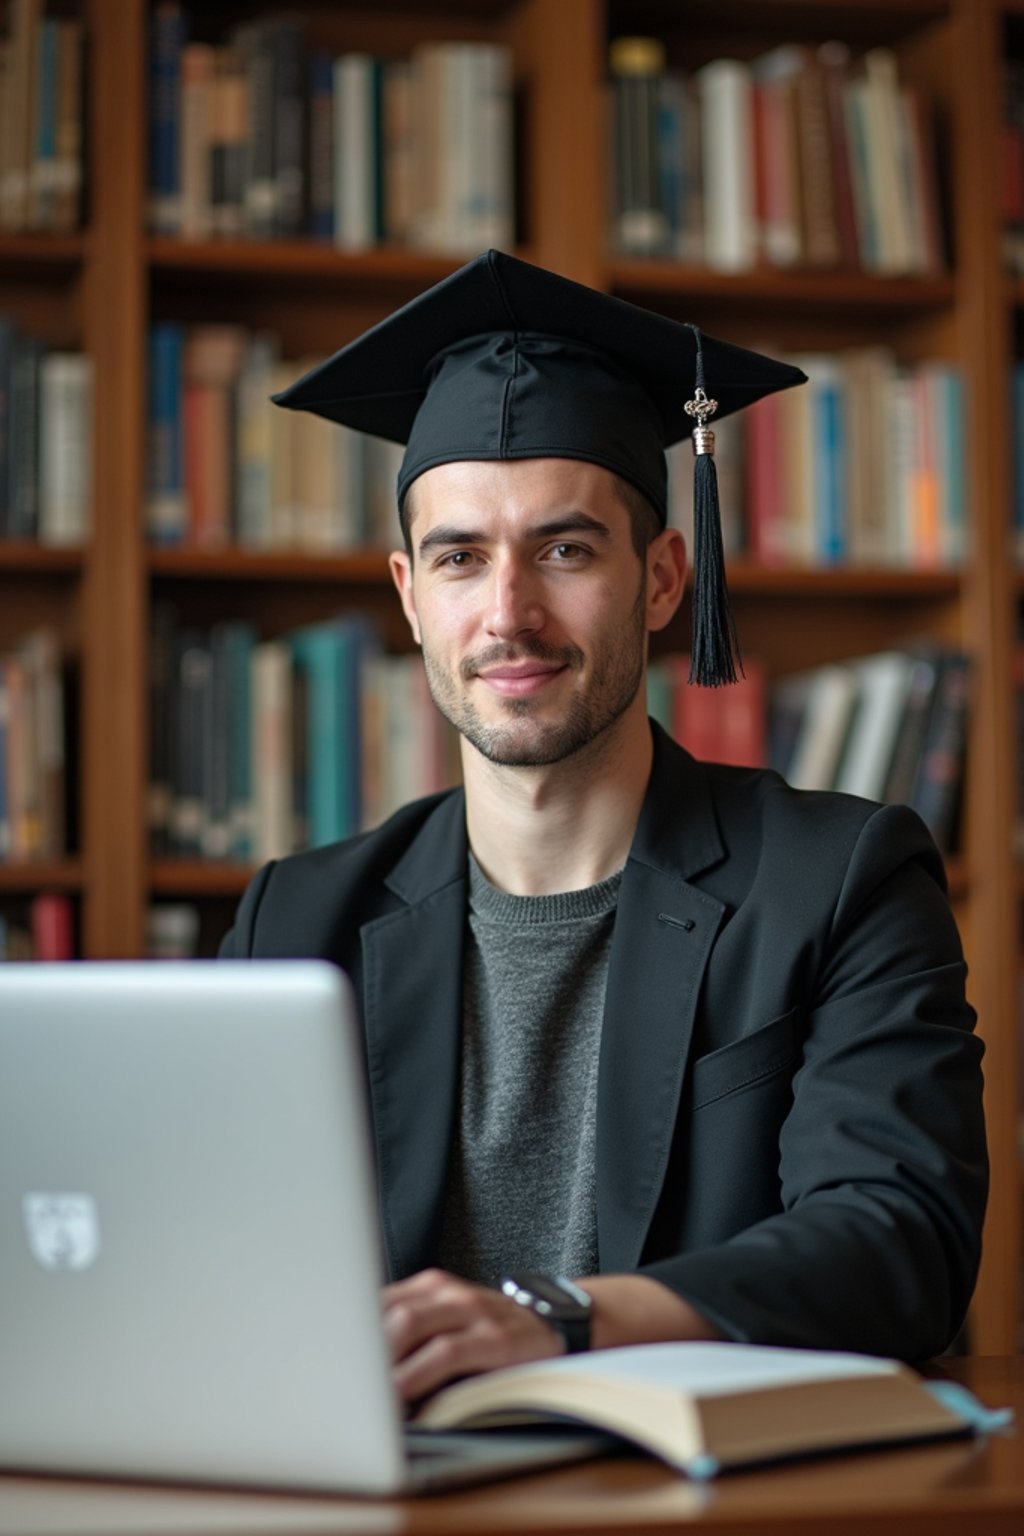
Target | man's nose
(514,600)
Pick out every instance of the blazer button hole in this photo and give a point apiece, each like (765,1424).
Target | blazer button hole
(687,924)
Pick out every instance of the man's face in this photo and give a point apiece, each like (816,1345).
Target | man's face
(529,602)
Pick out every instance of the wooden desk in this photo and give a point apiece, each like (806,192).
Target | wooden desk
(968,1488)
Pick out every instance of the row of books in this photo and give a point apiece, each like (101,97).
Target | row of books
(42,118)
(33,821)
(864,465)
(803,157)
(890,726)
(44,930)
(225,466)
(262,136)
(261,746)
(45,439)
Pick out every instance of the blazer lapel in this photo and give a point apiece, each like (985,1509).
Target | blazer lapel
(664,932)
(412,1015)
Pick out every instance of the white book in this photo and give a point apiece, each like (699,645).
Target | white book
(272,751)
(355,152)
(730,216)
(826,721)
(65,448)
(883,683)
(884,127)
(900,458)
(349,449)
(705,1407)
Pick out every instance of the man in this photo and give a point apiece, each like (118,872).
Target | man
(693,1038)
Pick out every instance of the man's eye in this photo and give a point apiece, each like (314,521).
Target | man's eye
(457,559)
(568,552)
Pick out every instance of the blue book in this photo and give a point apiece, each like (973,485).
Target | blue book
(672,157)
(829,429)
(330,659)
(168,36)
(167,518)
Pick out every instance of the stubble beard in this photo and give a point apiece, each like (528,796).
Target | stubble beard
(618,673)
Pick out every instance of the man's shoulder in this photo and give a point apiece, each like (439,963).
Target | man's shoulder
(311,903)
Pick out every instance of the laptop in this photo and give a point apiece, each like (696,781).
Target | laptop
(190,1260)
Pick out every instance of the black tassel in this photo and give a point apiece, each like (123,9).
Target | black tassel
(714,641)
(714,629)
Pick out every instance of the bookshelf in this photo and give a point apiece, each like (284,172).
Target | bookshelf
(102,289)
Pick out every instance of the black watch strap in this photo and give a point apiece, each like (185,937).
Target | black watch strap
(562,1304)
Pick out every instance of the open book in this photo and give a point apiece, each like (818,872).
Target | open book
(705,1407)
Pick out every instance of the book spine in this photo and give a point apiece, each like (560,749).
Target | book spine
(909,744)
(288,118)
(69,130)
(52,927)
(23,462)
(167,39)
(321,146)
(198,67)
(730,233)
(167,512)
(937,789)
(42,178)
(192,718)
(163,730)
(66,382)
(272,750)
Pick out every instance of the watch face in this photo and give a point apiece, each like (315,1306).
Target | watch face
(550,1297)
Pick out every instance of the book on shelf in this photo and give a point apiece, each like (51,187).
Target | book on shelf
(722,725)
(260,135)
(707,1408)
(41,120)
(32,748)
(45,440)
(260,746)
(805,157)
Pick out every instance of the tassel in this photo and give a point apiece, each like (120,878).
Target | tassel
(714,643)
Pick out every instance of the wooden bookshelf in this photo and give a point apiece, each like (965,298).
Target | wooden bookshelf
(106,286)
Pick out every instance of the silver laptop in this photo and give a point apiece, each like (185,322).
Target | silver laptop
(190,1260)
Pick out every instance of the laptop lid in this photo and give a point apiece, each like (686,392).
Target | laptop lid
(189,1250)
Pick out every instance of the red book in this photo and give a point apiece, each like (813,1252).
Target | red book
(52,927)
(765,512)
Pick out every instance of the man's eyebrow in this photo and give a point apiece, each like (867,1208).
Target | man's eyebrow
(447,535)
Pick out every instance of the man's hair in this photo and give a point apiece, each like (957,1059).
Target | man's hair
(644,522)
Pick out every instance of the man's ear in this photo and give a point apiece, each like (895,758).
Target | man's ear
(400,565)
(666,577)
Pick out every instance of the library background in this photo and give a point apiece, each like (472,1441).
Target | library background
(202,664)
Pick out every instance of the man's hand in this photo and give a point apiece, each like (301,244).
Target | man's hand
(441,1328)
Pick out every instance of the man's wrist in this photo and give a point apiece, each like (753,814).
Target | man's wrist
(562,1304)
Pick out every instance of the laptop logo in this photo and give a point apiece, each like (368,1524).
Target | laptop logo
(63,1230)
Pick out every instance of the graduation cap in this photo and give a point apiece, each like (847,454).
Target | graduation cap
(505,360)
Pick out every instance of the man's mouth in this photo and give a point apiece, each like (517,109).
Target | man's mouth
(516,680)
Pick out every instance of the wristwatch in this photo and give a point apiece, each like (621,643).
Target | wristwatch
(564,1306)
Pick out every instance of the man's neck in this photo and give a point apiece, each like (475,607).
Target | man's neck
(563,827)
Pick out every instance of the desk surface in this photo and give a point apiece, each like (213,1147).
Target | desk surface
(963,1488)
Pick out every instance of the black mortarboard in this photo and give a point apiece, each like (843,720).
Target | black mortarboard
(505,360)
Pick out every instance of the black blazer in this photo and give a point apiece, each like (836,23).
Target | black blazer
(789,1122)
